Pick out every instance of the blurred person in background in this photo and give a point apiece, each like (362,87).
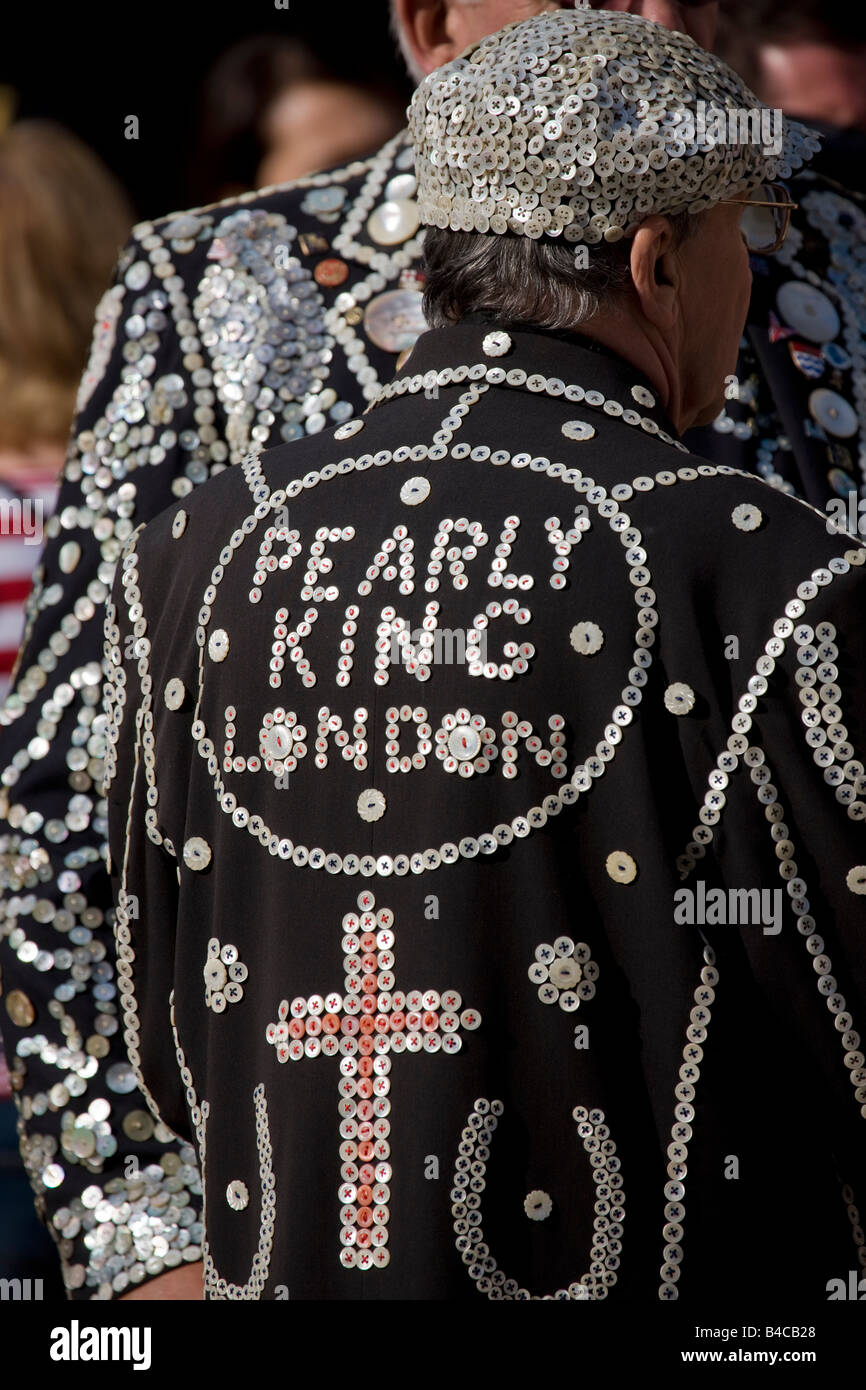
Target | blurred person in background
(284,314)
(63,220)
(271,110)
(806,56)
(797,405)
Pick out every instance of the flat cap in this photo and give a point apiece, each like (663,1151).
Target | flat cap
(582,123)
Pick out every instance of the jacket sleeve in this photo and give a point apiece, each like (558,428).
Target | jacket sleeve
(785,807)
(119,1193)
(143,865)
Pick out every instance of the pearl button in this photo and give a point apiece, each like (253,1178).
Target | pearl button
(496,344)
(580,430)
(415,490)
(643,396)
(464,742)
(351,427)
(856,879)
(215,974)
(537,1205)
(276,742)
(371,805)
(218,645)
(393,221)
(237,1195)
(747,517)
(679,698)
(196,853)
(70,554)
(587,638)
(174,694)
(621,866)
(565,973)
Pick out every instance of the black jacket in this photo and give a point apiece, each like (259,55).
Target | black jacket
(178,388)
(615,1088)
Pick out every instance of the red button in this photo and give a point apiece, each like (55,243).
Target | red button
(331,272)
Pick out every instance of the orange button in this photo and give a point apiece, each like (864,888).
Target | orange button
(331,272)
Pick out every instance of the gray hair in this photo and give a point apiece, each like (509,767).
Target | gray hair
(524,279)
(416,73)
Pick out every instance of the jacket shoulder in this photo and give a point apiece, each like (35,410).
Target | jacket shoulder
(292,198)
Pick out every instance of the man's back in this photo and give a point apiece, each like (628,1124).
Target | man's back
(576,811)
(178,387)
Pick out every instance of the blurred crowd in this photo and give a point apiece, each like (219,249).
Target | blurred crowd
(271,109)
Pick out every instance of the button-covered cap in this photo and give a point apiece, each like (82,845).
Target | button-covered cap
(582,123)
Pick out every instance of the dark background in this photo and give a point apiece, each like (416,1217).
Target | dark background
(90,64)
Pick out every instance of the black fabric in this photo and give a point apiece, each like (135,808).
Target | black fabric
(777,1127)
(111,484)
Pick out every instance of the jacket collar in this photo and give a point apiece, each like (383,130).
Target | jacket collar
(539,361)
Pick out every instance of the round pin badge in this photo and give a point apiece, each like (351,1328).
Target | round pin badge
(807,359)
(331,272)
(394,321)
(324,200)
(833,413)
(836,356)
(808,311)
(841,482)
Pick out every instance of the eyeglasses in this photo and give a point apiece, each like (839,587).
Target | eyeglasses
(766,218)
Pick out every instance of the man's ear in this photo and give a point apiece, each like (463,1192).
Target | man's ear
(656,272)
(424,29)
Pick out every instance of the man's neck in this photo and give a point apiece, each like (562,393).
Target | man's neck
(644,348)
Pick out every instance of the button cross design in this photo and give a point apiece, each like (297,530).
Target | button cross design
(363,1026)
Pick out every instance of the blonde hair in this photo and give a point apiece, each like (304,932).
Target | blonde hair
(63,220)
